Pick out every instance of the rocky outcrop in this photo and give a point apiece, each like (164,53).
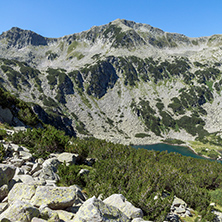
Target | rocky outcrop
(20,38)
(28,192)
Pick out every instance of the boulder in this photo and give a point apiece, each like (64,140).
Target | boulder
(21,191)
(20,211)
(24,178)
(57,197)
(52,163)
(6,173)
(48,173)
(68,158)
(120,202)
(94,210)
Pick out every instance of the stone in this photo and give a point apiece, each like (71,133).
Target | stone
(26,168)
(36,167)
(57,197)
(35,219)
(180,210)
(20,211)
(140,220)
(94,210)
(177,202)
(3,192)
(84,172)
(52,163)
(3,207)
(21,191)
(25,179)
(64,215)
(17,162)
(6,173)
(48,173)
(27,156)
(120,202)
(68,158)
(48,214)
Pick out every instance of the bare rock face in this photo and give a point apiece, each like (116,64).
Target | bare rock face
(20,38)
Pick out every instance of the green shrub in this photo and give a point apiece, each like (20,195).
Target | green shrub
(2,153)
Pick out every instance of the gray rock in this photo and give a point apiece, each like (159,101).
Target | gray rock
(84,172)
(140,220)
(17,162)
(3,207)
(35,219)
(94,210)
(27,156)
(48,173)
(36,167)
(48,214)
(68,158)
(180,210)
(24,178)
(6,173)
(57,197)
(120,202)
(20,211)
(52,162)
(177,202)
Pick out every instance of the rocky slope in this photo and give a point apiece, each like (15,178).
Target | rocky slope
(29,193)
(131,82)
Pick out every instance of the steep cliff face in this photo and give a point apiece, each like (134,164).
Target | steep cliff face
(126,82)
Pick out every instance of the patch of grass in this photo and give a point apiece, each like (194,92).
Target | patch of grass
(72,46)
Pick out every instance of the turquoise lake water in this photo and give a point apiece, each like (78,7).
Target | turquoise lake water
(185,151)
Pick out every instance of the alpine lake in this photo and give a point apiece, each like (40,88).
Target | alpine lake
(185,151)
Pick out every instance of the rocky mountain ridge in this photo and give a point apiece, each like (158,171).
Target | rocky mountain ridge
(131,82)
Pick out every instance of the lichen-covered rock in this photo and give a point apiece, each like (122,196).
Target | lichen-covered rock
(21,191)
(64,215)
(119,201)
(20,211)
(94,210)
(6,173)
(54,197)
(48,214)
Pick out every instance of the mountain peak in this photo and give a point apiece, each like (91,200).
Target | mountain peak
(20,38)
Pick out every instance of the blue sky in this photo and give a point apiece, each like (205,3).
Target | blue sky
(56,18)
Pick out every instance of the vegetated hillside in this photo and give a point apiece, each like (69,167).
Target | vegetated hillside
(131,82)
(148,179)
